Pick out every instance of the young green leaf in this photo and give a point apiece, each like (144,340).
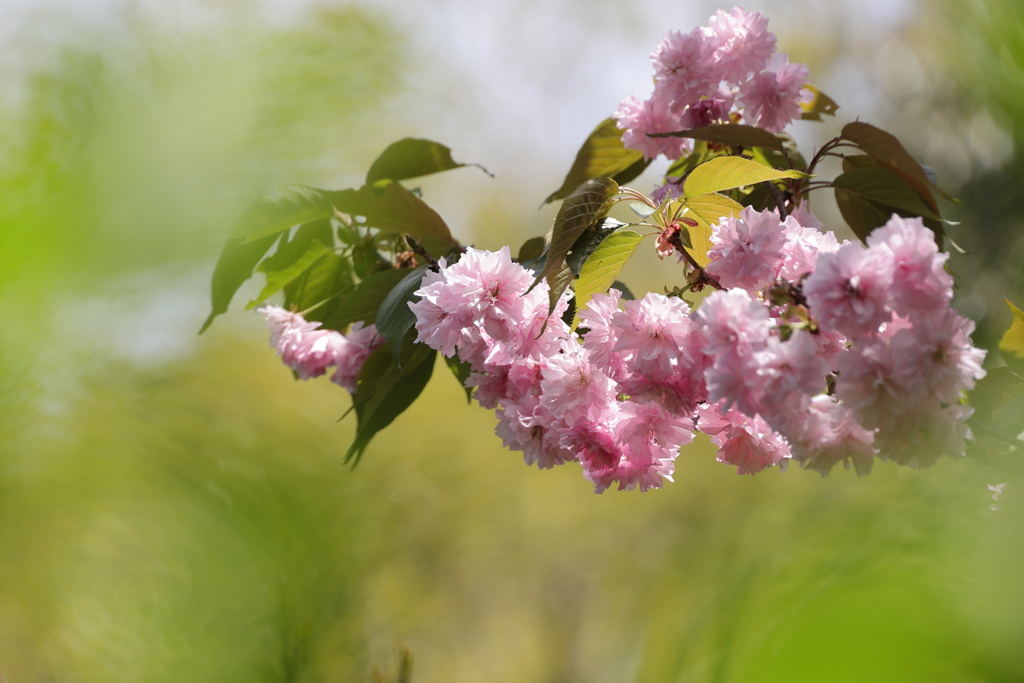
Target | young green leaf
(278,211)
(642,210)
(725,173)
(384,391)
(586,206)
(1012,344)
(733,134)
(604,265)
(388,206)
(365,299)
(707,210)
(277,279)
(395,319)
(602,156)
(413,158)
(820,105)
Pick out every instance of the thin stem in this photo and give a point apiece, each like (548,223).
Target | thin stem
(780,199)
(423,253)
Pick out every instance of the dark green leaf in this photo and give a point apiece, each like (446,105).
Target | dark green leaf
(280,210)
(531,249)
(461,370)
(234,266)
(733,134)
(1012,344)
(725,173)
(860,214)
(290,251)
(388,206)
(277,279)
(395,319)
(887,192)
(586,206)
(412,158)
(602,156)
(384,391)
(627,295)
(365,299)
(822,104)
(558,282)
(891,155)
(588,242)
(604,265)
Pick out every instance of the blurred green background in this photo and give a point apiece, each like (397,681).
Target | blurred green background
(174,507)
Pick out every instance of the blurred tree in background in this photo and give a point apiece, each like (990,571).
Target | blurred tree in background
(175,508)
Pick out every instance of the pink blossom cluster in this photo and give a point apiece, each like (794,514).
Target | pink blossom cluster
(898,356)
(310,351)
(864,358)
(707,75)
(619,400)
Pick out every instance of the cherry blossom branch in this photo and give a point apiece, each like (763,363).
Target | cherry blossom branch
(423,253)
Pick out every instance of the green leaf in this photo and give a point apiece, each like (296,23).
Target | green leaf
(602,156)
(821,105)
(277,279)
(642,210)
(365,299)
(1012,344)
(725,173)
(531,250)
(395,319)
(388,206)
(733,134)
(234,266)
(280,210)
(892,156)
(412,158)
(584,207)
(558,282)
(604,265)
(461,370)
(880,186)
(383,391)
(588,242)
(324,281)
(707,210)
(860,214)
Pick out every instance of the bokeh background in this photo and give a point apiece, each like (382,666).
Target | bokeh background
(174,507)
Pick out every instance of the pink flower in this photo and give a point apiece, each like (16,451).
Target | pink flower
(746,442)
(823,432)
(943,338)
(651,116)
(658,336)
(849,290)
(920,282)
(351,351)
(309,352)
(682,66)
(748,249)
(280,321)
(714,108)
(601,335)
(742,43)
(790,366)
(527,427)
(803,244)
(772,99)
(733,319)
(575,390)
(653,438)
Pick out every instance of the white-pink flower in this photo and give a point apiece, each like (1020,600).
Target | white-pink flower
(638,118)
(746,442)
(350,353)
